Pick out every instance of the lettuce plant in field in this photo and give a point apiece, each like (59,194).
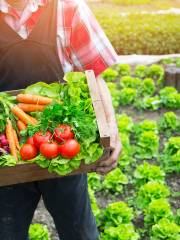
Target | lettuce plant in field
(124,69)
(150,191)
(130,82)
(147,145)
(147,172)
(170,97)
(141,71)
(114,93)
(38,232)
(169,123)
(127,96)
(157,73)
(122,232)
(94,181)
(125,159)
(147,87)
(117,213)
(109,75)
(165,229)
(125,140)
(157,209)
(125,123)
(94,206)
(150,103)
(114,181)
(146,125)
(170,159)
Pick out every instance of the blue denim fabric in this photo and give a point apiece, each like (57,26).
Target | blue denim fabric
(66,199)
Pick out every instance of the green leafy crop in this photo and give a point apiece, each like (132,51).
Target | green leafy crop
(109,75)
(170,97)
(127,96)
(165,229)
(146,125)
(147,145)
(130,82)
(157,73)
(114,181)
(170,159)
(122,232)
(169,123)
(157,209)
(147,172)
(114,93)
(150,191)
(38,232)
(124,69)
(141,71)
(94,181)
(117,213)
(125,123)
(147,87)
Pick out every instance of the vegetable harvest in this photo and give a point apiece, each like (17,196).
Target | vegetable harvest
(52,125)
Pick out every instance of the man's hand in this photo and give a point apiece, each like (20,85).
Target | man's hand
(109,164)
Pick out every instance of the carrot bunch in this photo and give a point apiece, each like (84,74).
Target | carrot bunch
(28,103)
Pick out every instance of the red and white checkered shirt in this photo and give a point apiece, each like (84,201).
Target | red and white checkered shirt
(81,42)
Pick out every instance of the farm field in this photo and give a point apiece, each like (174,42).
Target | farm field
(140,199)
(140,28)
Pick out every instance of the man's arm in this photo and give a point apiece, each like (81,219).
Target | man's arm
(110,163)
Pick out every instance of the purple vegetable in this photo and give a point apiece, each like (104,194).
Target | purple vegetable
(4,142)
(6,148)
(2,137)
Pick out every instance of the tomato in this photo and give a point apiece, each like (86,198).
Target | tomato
(28,151)
(63,132)
(69,149)
(30,140)
(49,150)
(40,138)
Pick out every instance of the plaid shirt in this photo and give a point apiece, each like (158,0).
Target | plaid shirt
(81,42)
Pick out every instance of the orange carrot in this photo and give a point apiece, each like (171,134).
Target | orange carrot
(16,139)
(10,138)
(33,119)
(31,107)
(21,126)
(33,99)
(24,117)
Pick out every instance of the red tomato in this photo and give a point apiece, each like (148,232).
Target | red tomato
(40,138)
(63,132)
(30,140)
(69,149)
(28,151)
(49,150)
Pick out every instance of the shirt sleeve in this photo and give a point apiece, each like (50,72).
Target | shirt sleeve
(89,46)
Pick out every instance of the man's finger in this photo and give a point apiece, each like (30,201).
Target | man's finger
(105,170)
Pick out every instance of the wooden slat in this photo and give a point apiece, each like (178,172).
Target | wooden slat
(31,172)
(99,109)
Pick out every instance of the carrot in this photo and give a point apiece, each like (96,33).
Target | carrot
(10,138)
(16,139)
(24,117)
(33,99)
(31,107)
(21,126)
(33,119)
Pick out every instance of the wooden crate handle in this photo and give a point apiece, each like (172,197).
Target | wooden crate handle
(99,109)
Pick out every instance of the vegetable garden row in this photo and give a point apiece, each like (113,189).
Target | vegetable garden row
(141,198)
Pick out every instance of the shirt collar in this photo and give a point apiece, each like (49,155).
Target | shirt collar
(32,5)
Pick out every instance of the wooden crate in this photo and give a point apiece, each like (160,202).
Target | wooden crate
(31,172)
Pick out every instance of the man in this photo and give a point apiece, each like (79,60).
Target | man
(39,41)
